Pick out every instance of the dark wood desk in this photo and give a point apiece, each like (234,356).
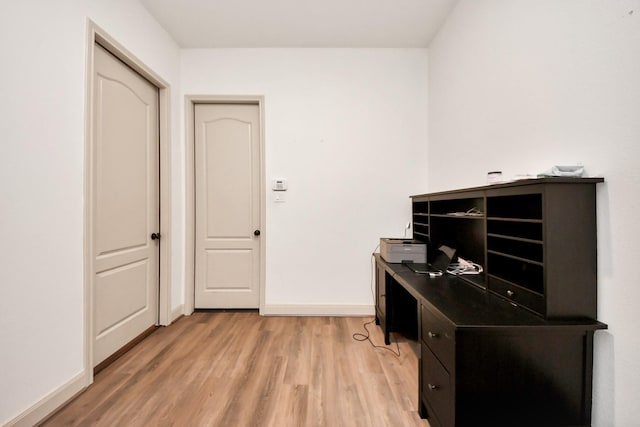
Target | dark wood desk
(484,361)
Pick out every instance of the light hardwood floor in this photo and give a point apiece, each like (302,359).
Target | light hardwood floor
(241,369)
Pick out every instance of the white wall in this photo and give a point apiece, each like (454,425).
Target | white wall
(42,98)
(347,128)
(521,85)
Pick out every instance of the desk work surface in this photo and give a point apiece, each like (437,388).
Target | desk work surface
(469,306)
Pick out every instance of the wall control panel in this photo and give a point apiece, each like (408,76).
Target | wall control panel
(279,184)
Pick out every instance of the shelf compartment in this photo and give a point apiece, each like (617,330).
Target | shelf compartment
(466,237)
(420,222)
(454,215)
(520,248)
(522,272)
(530,229)
(521,206)
(421,229)
(423,237)
(458,206)
(421,208)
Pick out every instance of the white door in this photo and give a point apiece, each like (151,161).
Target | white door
(227,187)
(125,205)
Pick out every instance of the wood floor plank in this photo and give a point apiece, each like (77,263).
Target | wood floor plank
(241,369)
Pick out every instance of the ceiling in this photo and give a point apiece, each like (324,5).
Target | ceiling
(300,23)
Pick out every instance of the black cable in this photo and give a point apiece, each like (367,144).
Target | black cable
(362,337)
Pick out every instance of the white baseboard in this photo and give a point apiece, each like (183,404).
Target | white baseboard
(317,310)
(176,312)
(50,403)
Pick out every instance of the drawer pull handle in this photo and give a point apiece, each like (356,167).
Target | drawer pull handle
(510,293)
(432,335)
(432,387)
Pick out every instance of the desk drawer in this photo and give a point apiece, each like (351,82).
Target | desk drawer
(518,295)
(436,388)
(438,334)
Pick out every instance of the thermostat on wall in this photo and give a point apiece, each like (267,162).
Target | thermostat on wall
(279,184)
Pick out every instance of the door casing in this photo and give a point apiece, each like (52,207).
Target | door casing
(190,102)
(97,35)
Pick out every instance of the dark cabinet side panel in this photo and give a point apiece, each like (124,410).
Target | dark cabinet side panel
(526,378)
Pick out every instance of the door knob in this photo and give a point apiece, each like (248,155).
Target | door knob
(155,236)
(256,233)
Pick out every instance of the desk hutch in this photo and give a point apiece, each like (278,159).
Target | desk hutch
(513,345)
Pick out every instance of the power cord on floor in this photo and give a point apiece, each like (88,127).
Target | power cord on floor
(358,336)
(366,337)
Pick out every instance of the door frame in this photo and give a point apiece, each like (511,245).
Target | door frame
(190,209)
(95,34)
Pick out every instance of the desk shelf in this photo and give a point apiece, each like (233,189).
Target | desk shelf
(538,236)
(420,221)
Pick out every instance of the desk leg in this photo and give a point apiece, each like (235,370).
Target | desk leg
(423,410)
